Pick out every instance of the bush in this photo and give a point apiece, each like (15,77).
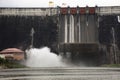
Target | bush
(2,61)
(10,64)
(14,65)
(111,65)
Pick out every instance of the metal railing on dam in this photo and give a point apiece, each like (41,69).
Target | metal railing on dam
(110,10)
(28,11)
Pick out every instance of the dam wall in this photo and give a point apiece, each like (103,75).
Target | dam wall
(82,25)
(15,31)
(91,32)
(79,25)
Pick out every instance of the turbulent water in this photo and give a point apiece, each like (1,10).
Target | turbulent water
(43,58)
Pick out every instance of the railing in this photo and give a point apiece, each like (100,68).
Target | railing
(111,10)
(28,11)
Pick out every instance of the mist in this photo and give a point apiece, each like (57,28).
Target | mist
(43,58)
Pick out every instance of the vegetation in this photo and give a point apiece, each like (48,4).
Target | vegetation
(111,65)
(10,64)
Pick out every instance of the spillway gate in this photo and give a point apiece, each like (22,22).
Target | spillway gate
(80,31)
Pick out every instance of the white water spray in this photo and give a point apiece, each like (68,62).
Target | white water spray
(32,35)
(79,30)
(118,18)
(66,29)
(43,58)
(71,29)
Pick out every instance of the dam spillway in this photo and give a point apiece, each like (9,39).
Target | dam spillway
(64,29)
(86,30)
(80,30)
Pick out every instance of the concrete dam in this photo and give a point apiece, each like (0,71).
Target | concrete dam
(90,31)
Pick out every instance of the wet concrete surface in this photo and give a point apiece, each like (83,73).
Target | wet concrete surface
(60,73)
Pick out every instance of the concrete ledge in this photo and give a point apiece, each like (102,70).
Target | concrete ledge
(79,47)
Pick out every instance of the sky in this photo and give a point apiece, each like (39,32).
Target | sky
(45,3)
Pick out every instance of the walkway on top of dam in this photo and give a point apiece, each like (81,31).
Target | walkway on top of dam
(108,10)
